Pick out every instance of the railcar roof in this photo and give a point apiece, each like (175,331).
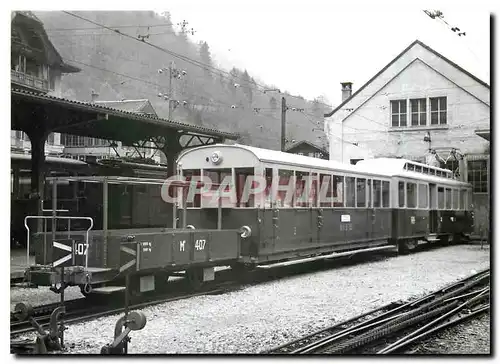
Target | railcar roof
(278,157)
(393,166)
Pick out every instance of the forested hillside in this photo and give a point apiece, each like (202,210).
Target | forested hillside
(116,67)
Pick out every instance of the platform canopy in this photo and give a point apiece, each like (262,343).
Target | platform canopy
(32,112)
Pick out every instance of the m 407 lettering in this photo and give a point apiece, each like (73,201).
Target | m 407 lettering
(198,245)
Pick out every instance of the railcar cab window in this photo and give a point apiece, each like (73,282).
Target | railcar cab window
(441,198)
(423,196)
(360,192)
(377,193)
(216,178)
(448,199)
(245,184)
(386,196)
(350,191)
(411,195)
(401,194)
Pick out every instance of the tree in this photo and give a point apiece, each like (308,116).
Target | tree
(246,86)
(206,58)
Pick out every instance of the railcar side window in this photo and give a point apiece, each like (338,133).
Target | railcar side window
(326,190)
(401,194)
(386,197)
(423,196)
(338,191)
(463,203)
(361,192)
(411,195)
(192,175)
(455,204)
(313,193)
(377,190)
(350,191)
(268,197)
(448,199)
(301,187)
(369,195)
(286,188)
(441,198)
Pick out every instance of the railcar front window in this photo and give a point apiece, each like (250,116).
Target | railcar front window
(377,193)
(401,194)
(441,198)
(448,199)
(386,197)
(350,191)
(423,196)
(218,180)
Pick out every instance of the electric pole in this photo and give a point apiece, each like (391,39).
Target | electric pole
(170,90)
(283,123)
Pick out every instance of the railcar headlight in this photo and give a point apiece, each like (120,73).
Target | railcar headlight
(245,231)
(216,158)
(190,227)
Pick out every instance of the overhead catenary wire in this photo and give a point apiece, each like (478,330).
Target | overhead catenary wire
(209,68)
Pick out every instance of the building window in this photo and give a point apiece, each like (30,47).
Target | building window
(438,110)
(478,175)
(418,112)
(398,112)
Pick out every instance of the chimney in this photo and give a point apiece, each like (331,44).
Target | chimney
(94,96)
(346,90)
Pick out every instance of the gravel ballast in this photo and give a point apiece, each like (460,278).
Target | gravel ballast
(266,315)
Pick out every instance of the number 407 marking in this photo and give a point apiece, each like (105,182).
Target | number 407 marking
(200,244)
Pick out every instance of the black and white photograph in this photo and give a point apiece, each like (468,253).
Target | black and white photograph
(303,178)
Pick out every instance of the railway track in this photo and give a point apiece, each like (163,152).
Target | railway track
(77,310)
(77,314)
(391,328)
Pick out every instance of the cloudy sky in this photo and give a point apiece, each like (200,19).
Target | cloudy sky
(309,47)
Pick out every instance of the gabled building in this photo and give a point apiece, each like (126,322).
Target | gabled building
(421,106)
(308,149)
(35,66)
(95,149)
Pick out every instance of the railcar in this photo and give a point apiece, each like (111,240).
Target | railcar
(333,206)
(245,207)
